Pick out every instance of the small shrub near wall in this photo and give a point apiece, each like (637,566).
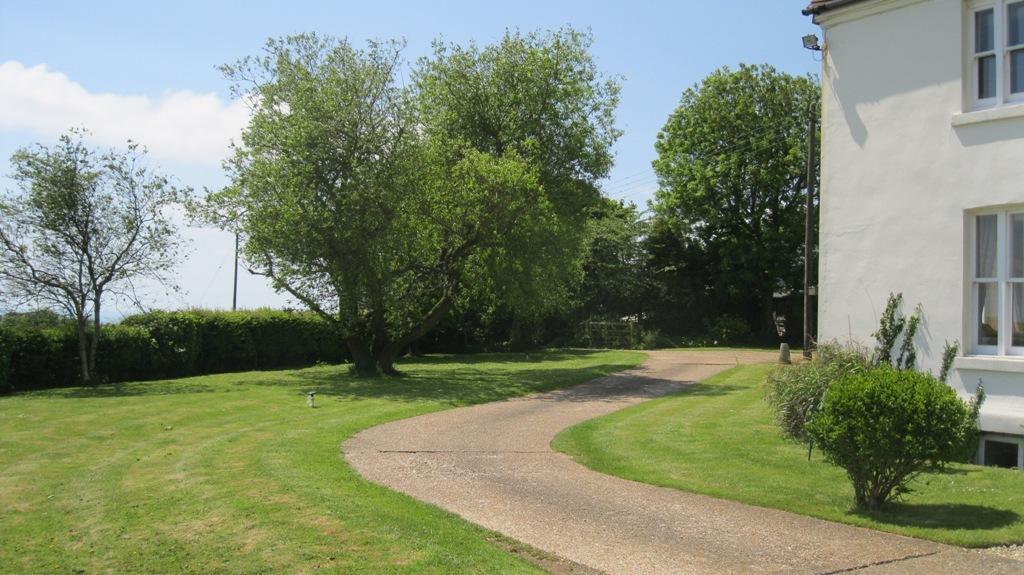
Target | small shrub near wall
(885,426)
(170,344)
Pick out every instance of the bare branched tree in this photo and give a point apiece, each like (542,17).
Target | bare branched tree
(83,225)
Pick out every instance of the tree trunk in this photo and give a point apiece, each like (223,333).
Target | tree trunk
(387,355)
(83,349)
(766,320)
(94,344)
(363,362)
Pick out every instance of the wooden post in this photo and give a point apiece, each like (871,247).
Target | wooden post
(808,236)
(234,293)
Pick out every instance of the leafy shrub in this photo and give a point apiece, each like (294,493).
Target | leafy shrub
(890,327)
(885,426)
(949,353)
(36,319)
(177,341)
(727,329)
(649,339)
(794,392)
(895,328)
(126,353)
(5,362)
(654,339)
(201,341)
(39,358)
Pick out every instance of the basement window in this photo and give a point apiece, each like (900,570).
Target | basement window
(1001,454)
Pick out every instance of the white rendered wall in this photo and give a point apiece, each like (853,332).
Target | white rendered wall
(898,179)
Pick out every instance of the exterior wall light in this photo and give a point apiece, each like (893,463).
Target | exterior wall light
(811,43)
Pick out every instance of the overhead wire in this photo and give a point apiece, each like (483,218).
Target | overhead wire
(624,191)
(628,185)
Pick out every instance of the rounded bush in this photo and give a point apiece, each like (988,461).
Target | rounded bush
(886,426)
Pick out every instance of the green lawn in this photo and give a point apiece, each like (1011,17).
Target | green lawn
(234,474)
(717,438)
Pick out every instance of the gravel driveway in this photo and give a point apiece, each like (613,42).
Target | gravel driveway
(492,465)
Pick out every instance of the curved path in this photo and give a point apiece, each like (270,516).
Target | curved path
(492,465)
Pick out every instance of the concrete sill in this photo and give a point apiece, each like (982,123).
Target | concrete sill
(989,115)
(990,363)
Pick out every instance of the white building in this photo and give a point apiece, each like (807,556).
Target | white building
(922,187)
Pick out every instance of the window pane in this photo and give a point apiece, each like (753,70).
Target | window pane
(984,31)
(988,314)
(1018,314)
(1015,32)
(986,77)
(985,246)
(1017,245)
(1017,71)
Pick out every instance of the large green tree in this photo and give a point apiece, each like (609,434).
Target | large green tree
(83,225)
(615,282)
(678,271)
(732,174)
(379,205)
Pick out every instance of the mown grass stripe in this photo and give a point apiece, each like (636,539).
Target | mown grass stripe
(717,438)
(233,473)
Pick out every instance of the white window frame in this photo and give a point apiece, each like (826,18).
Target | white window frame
(1001,51)
(1008,58)
(1003,280)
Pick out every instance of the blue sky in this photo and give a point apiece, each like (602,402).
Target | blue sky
(148,70)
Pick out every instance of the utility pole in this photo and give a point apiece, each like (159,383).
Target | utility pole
(234,293)
(812,120)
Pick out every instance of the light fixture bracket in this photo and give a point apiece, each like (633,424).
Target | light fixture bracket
(811,42)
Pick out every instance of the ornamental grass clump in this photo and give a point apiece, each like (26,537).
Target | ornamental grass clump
(885,427)
(794,392)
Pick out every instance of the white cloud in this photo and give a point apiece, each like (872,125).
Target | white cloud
(188,129)
(180,126)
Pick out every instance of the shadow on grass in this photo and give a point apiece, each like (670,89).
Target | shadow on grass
(451,379)
(500,358)
(130,389)
(944,516)
(461,386)
(958,470)
(703,389)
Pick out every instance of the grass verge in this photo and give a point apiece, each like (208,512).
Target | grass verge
(717,438)
(233,473)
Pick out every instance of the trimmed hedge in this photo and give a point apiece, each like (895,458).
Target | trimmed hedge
(161,345)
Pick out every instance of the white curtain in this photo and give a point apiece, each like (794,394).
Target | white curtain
(1017,246)
(988,313)
(1018,314)
(988,300)
(986,246)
